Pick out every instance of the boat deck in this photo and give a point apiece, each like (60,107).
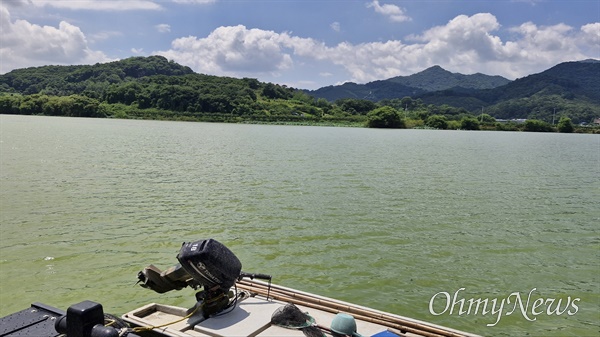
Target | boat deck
(38,320)
(252,317)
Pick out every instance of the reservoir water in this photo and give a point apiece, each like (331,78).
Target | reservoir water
(406,221)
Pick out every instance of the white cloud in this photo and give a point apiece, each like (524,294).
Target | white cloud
(464,40)
(103,5)
(542,46)
(544,38)
(393,12)
(335,26)
(16,3)
(593,30)
(163,28)
(23,44)
(194,1)
(466,44)
(531,2)
(104,35)
(590,35)
(231,50)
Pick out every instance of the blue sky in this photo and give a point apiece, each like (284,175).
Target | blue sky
(305,43)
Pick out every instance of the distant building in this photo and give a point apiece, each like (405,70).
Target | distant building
(596,121)
(514,120)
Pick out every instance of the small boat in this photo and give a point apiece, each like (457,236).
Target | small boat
(231,303)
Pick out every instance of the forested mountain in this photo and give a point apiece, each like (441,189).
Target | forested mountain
(155,88)
(436,78)
(570,88)
(373,91)
(145,87)
(91,79)
(570,79)
(428,80)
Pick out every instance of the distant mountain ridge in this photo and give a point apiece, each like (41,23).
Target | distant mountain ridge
(429,80)
(436,78)
(373,91)
(569,80)
(567,89)
(571,88)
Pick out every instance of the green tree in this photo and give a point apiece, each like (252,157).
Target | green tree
(32,104)
(469,123)
(565,125)
(85,107)
(534,125)
(9,104)
(437,122)
(275,91)
(355,106)
(385,117)
(453,125)
(407,103)
(252,83)
(486,119)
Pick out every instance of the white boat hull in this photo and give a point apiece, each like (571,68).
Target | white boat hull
(252,317)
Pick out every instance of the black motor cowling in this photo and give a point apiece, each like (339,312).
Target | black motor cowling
(210,263)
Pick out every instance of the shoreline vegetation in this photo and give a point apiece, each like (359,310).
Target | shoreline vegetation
(466,123)
(157,89)
(364,114)
(381,116)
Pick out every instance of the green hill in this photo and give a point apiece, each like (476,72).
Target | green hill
(570,79)
(429,80)
(567,89)
(150,87)
(155,88)
(436,78)
(373,91)
(571,89)
(67,80)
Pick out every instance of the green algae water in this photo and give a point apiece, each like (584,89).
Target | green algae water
(420,223)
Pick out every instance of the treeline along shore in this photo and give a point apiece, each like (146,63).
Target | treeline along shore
(156,88)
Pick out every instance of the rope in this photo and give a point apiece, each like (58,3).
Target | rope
(231,306)
(152,327)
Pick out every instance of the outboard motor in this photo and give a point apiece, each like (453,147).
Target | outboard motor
(205,263)
(210,263)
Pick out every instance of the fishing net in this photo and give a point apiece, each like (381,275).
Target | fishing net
(291,317)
